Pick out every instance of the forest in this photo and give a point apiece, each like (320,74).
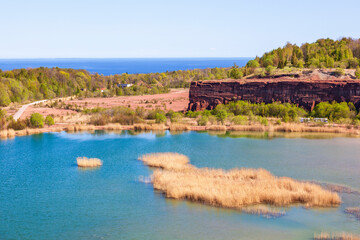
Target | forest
(24,85)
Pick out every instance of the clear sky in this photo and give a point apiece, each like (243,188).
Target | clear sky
(168,28)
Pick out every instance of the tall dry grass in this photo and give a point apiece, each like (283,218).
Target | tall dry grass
(216,128)
(179,127)
(113,126)
(166,160)
(144,126)
(7,133)
(235,188)
(336,236)
(85,162)
(79,128)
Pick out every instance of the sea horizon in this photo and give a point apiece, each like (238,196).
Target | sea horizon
(111,66)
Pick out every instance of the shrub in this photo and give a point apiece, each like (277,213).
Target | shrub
(357,73)
(192,114)
(160,118)
(203,120)
(18,125)
(49,120)
(239,120)
(2,119)
(221,116)
(264,121)
(176,117)
(36,120)
(339,72)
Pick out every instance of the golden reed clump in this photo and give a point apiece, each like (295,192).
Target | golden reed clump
(235,188)
(166,160)
(85,162)
(337,236)
(9,133)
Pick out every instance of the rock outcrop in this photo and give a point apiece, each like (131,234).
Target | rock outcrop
(304,93)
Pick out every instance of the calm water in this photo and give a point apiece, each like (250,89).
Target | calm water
(43,195)
(110,66)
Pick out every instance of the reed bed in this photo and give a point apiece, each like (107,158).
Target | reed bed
(179,127)
(85,162)
(236,188)
(216,128)
(144,126)
(166,160)
(113,126)
(355,211)
(336,236)
(245,128)
(7,133)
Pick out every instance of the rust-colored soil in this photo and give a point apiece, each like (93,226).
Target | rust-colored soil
(176,100)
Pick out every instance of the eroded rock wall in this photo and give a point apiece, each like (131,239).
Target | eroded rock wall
(304,93)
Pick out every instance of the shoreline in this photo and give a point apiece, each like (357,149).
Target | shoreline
(176,127)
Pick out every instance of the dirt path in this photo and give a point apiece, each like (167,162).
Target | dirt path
(18,114)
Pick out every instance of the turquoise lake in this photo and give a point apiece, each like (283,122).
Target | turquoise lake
(43,194)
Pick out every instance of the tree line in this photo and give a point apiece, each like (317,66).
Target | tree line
(22,85)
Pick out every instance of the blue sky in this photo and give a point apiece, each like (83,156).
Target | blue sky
(171,28)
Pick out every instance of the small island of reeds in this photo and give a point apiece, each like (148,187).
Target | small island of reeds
(235,188)
(85,162)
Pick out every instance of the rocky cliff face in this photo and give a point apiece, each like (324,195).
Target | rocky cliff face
(304,93)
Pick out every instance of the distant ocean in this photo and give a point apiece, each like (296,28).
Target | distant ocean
(110,66)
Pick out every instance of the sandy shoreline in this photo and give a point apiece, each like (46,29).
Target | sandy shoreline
(284,128)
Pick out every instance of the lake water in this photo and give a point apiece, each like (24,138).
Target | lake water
(43,195)
(111,66)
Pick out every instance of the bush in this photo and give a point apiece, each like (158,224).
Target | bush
(221,116)
(333,111)
(339,72)
(19,124)
(2,119)
(176,117)
(49,120)
(160,118)
(37,120)
(357,73)
(239,120)
(203,120)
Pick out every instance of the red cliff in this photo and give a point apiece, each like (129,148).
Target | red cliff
(304,93)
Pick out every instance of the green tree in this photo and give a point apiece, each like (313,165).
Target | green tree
(160,118)
(2,118)
(203,120)
(253,64)
(221,115)
(49,120)
(236,72)
(37,120)
(4,97)
(357,73)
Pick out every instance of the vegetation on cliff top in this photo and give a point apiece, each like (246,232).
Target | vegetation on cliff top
(22,85)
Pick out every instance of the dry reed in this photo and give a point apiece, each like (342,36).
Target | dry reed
(337,236)
(144,126)
(85,162)
(7,133)
(179,127)
(167,160)
(113,126)
(236,188)
(216,128)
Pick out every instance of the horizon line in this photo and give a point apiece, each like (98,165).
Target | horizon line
(114,58)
